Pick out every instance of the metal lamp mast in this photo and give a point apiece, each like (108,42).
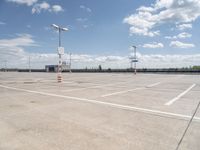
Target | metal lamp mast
(60,50)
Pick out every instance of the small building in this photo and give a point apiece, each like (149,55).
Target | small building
(51,68)
(54,68)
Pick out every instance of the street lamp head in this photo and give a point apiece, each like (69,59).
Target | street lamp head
(59,28)
(134,46)
(64,29)
(55,26)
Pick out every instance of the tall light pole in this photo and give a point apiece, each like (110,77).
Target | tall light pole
(70,61)
(5,61)
(134,59)
(60,50)
(29,63)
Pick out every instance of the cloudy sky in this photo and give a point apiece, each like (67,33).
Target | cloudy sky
(166,32)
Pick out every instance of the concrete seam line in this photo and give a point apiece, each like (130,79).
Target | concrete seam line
(186,129)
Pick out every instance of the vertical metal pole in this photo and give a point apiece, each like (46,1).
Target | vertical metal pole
(60,59)
(70,61)
(59,69)
(135,59)
(29,63)
(5,65)
(131,65)
(60,53)
(59,30)
(60,63)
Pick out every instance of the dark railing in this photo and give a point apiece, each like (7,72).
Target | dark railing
(144,70)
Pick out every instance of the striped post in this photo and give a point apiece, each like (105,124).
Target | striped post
(59,76)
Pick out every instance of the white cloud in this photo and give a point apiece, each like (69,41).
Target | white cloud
(178,44)
(44,6)
(163,11)
(178,11)
(145,32)
(21,40)
(39,60)
(171,37)
(12,50)
(112,61)
(184,26)
(82,58)
(163,4)
(153,45)
(146,9)
(15,51)
(141,24)
(109,58)
(57,8)
(86,8)
(93,61)
(26,2)
(168,61)
(37,8)
(182,35)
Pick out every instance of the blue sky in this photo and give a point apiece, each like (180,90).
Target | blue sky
(101,32)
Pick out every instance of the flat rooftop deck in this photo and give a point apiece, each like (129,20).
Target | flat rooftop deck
(98,111)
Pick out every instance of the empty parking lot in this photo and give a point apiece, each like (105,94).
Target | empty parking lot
(103,111)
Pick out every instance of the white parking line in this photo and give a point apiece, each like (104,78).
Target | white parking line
(122,92)
(180,95)
(152,85)
(125,107)
(130,90)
